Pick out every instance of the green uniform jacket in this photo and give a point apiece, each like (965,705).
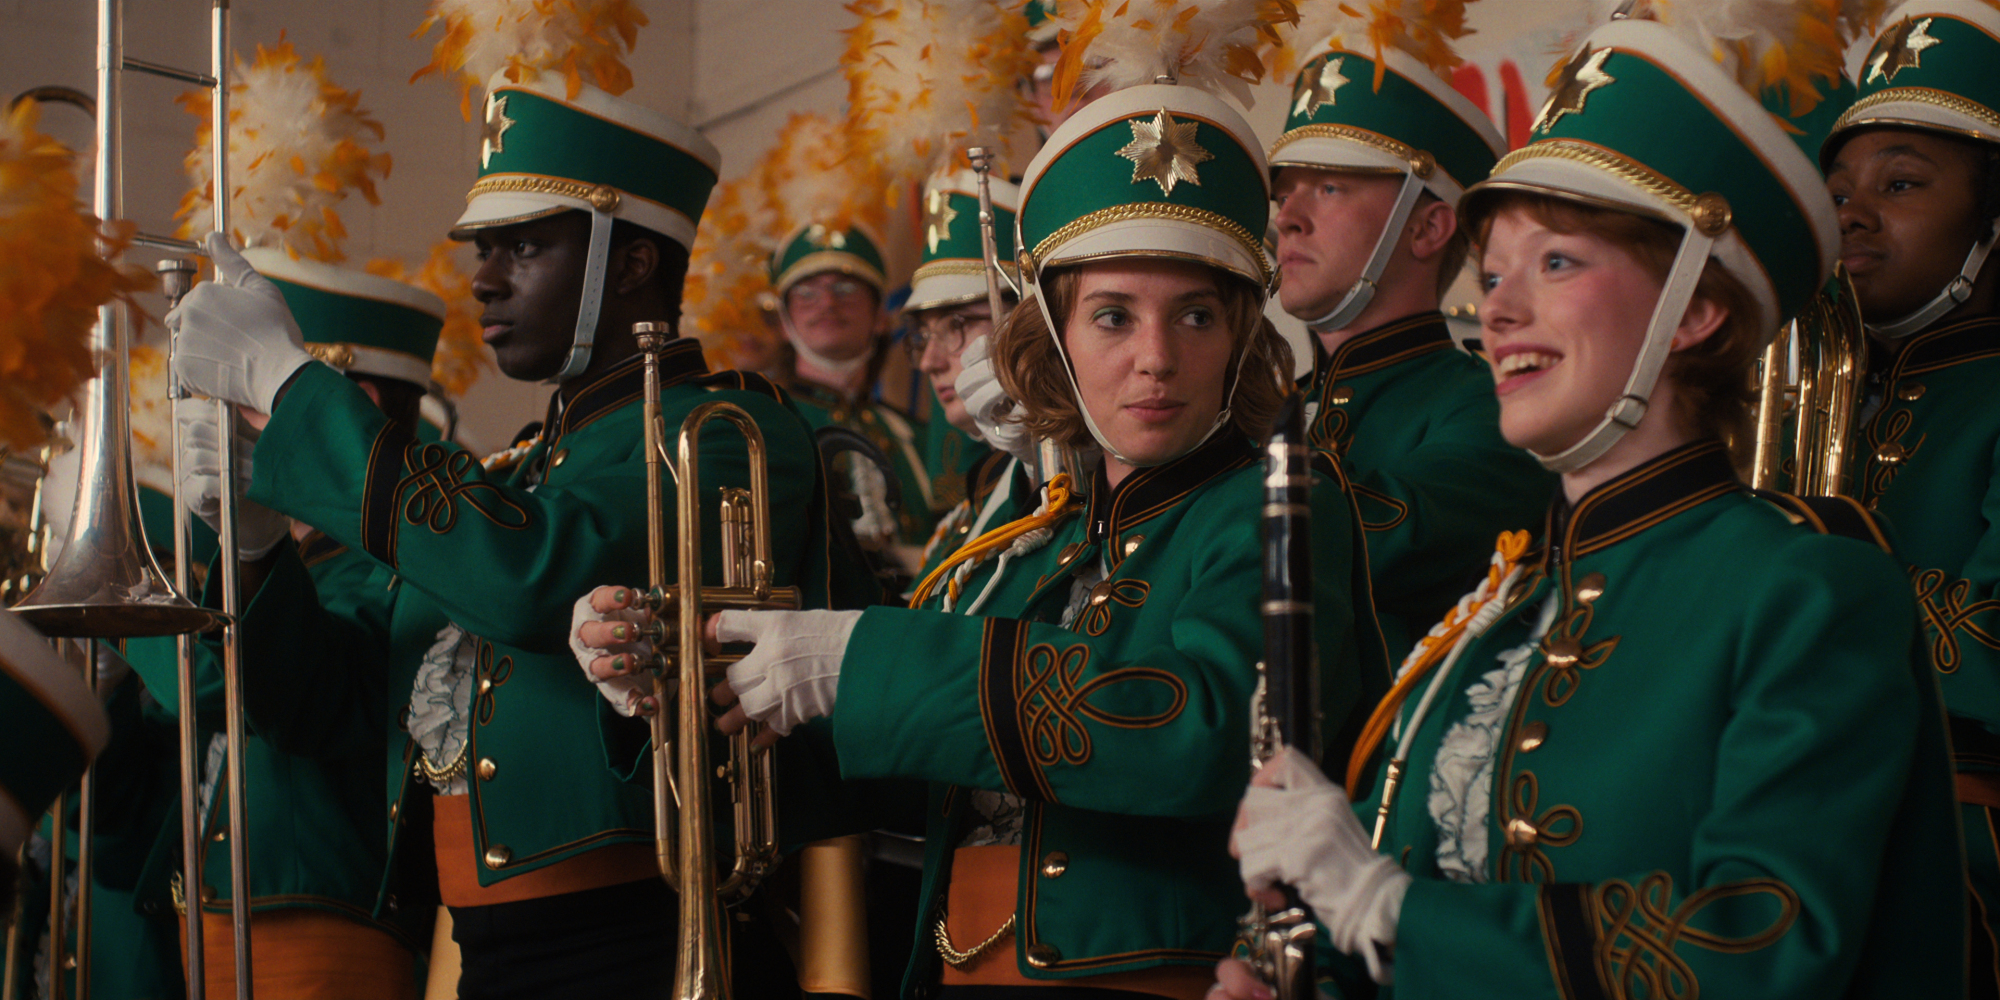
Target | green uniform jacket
(1417,428)
(504,554)
(318,825)
(1724,772)
(950,454)
(1128,734)
(990,473)
(898,437)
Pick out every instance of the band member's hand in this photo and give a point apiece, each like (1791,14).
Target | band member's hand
(259,529)
(987,401)
(1296,827)
(603,636)
(234,337)
(1235,981)
(791,676)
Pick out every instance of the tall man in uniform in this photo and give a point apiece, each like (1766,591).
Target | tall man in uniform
(1367,180)
(516,796)
(1914,168)
(829,283)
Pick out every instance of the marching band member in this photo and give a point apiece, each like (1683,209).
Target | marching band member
(1079,699)
(526,795)
(318,820)
(1377,148)
(1606,753)
(1914,167)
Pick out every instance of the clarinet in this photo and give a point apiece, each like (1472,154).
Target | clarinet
(1285,709)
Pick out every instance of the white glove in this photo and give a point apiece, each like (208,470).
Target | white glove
(234,337)
(1304,833)
(626,692)
(259,529)
(794,673)
(989,404)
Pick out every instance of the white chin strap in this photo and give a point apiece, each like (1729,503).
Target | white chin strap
(1069,372)
(1958,291)
(594,267)
(1363,292)
(1630,408)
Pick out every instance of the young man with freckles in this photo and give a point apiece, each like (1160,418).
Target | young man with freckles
(1914,168)
(1367,181)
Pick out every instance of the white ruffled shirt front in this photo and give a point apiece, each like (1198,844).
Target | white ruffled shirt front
(1461,798)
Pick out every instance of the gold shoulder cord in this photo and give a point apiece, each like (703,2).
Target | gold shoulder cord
(959,959)
(439,777)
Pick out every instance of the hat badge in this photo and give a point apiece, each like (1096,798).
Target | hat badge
(1900,49)
(1164,151)
(938,215)
(1317,85)
(493,134)
(1580,76)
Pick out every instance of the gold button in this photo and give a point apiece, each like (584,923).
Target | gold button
(1055,864)
(1891,453)
(69,961)
(1911,392)
(561,457)
(965,529)
(1069,553)
(1533,735)
(208,894)
(1041,956)
(1341,395)
(1100,593)
(221,836)
(394,808)
(1520,832)
(487,769)
(1874,503)
(1564,652)
(1590,589)
(485,685)
(1132,544)
(497,855)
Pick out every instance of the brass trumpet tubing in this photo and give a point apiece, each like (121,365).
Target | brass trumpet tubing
(1768,456)
(700,967)
(86,850)
(58,899)
(664,793)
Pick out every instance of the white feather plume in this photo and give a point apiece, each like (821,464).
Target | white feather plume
(1211,44)
(584,41)
(926,78)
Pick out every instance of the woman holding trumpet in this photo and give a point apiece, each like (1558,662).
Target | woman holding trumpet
(1079,698)
(1605,754)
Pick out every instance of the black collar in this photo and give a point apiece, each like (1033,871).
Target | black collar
(622,384)
(1148,493)
(1639,498)
(1962,341)
(1391,343)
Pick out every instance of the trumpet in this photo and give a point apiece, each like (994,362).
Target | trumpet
(1830,345)
(684,839)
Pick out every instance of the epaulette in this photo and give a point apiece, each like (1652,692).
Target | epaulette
(1837,515)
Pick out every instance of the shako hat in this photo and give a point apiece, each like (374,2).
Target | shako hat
(54,726)
(1727,173)
(1935,68)
(819,247)
(542,152)
(1388,109)
(952,268)
(357,322)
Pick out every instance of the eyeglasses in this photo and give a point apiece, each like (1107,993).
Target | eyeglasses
(812,295)
(949,332)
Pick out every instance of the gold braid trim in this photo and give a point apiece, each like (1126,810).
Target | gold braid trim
(1160,210)
(959,959)
(602,197)
(1918,95)
(939,268)
(1421,162)
(1628,170)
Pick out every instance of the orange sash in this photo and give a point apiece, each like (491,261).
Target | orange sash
(305,954)
(458,864)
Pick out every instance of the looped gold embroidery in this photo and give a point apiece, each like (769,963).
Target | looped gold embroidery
(1330,431)
(487,669)
(1636,946)
(1522,859)
(1130,593)
(1943,599)
(1565,669)
(437,480)
(1890,426)
(1374,520)
(1053,705)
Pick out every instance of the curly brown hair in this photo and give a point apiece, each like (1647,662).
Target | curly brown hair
(1030,369)
(1713,378)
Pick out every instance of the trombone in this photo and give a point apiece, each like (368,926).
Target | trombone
(106,584)
(684,838)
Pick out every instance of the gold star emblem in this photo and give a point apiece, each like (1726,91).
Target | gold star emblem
(493,136)
(826,239)
(1317,85)
(938,214)
(1164,151)
(1899,48)
(1582,75)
